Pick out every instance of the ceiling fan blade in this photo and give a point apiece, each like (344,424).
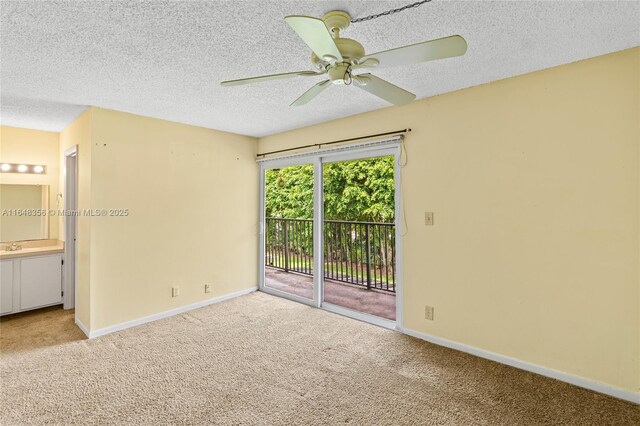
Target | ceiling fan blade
(311,93)
(383,89)
(314,32)
(269,77)
(441,48)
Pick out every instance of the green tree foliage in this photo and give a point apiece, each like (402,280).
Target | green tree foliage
(289,192)
(361,190)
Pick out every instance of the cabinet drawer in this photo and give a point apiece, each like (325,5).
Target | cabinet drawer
(41,281)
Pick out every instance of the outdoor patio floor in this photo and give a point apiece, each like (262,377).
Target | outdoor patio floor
(374,302)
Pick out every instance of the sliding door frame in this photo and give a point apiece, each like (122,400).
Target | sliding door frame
(318,159)
(317,201)
(362,154)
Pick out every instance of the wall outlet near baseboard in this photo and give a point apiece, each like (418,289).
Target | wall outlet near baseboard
(428,312)
(175,291)
(207,288)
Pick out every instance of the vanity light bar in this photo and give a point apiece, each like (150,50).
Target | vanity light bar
(38,169)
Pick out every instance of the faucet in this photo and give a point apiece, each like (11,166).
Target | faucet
(13,247)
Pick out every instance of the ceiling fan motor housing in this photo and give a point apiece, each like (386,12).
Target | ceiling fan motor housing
(336,21)
(351,50)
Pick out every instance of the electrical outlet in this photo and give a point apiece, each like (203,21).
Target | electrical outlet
(207,288)
(428,312)
(428,218)
(175,291)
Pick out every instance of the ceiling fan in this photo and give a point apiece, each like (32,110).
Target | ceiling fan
(338,57)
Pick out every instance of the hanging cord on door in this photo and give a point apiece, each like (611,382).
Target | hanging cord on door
(389,12)
(402,162)
(403,159)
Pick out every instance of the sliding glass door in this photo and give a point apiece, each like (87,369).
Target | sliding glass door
(329,234)
(288,261)
(359,235)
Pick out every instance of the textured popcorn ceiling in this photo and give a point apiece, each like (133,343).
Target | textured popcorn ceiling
(165,59)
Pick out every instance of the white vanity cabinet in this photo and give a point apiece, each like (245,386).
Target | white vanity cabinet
(30,282)
(6,286)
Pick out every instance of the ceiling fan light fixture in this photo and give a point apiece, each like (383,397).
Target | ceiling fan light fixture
(338,74)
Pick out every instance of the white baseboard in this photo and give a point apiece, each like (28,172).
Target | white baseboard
(82,327)
(582,382)
(523,365)
(128,324)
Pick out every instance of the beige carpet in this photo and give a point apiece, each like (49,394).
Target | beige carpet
(261,360)
(44,327)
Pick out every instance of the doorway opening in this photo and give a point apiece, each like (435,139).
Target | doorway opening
(330,235)
(70,226)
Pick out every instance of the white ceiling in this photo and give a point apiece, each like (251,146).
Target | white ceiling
(165,59)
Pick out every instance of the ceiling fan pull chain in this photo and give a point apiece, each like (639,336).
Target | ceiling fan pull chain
(348,79)
(389,12)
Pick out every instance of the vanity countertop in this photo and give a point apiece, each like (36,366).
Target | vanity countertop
(32,248)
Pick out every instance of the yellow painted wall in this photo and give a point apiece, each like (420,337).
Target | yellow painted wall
(79,134)
(534,182)
(32,147)
(192,196)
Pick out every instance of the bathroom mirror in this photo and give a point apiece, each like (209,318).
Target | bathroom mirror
(24,212)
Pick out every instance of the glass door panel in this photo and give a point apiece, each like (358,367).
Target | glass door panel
(359,235)
(288,230)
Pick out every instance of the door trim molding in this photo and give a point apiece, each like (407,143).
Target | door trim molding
(70,269)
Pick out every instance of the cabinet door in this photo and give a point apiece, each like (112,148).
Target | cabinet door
(40,281)
(6,286)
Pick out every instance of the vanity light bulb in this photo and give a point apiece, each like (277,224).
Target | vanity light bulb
(22,168)
(38,169)
(5,167)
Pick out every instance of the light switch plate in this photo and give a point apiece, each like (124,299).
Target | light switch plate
(428,218)
(175,291)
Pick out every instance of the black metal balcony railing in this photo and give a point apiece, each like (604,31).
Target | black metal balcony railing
(360,253)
